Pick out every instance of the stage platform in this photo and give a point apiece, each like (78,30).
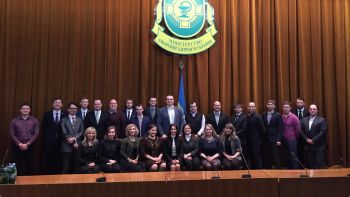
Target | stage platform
(272,183)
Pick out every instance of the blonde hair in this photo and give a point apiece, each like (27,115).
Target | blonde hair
(128,127)
(94,141)
(212,128)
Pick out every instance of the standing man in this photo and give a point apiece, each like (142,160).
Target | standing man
(239,122)
(254,133)
(97,119)
(273,136)
(301,112)
(52,137)
(142,122)
(129,110)
(291,132)
(24,130)
(169,115)
(152,110)
(116,118)
(72,130)
(84,104)
(314,134)
(195,119)
(217,118)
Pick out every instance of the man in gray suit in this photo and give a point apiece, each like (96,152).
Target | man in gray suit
(314,133)
(72,130)
(169,115)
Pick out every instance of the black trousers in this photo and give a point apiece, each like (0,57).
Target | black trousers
(272,157)
(254,155)
(234,164)
(24,160)
(53,159)
(315,159)
(70,162)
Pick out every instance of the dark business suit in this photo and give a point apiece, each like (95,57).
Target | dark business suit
(223,120)
(80,115)
(147,112)
(52,142)
(146,121)
(254,133)
(273,134)
(315,154)
(132,115)
(167,152)
(239,122)
(300,140)
(101,126)
(163,121)
(69,153)
(190,146)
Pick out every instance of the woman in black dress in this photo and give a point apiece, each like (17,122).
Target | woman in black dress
(88,152)
(109,151)
(172,146)
(151,150)
(210,149)
(130,150)
(189,149)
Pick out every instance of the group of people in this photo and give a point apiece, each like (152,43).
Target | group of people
(157,139)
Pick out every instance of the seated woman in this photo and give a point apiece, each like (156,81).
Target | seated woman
(130,150)
(189,149)
(210,149)
(232,148)
(109,151)
(172,146)
(151,150)
(88,152)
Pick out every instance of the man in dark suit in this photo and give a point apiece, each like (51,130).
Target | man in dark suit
(301,112)
(314,134)
(72,131)
(217,118)
(116,118)
(141,121)
(152,110)
(169,115)
(97,119)
(273,136)
(129,110)
(84,104)
(52,137)
(239,122)
(254,133)
(195,119)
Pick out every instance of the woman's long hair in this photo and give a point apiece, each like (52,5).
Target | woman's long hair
(94,141)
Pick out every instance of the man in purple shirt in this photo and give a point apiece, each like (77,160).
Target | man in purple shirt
(291,133)
(24,130)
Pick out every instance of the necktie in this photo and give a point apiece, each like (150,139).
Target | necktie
(152,112)
(236,117)
(129,113)
(269,118)
(84,114)
(300,114)
(217,117)
(140,125)
(74,121)
(57,121)
(97,116)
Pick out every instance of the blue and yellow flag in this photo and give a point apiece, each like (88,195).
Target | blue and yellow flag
(181,103)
